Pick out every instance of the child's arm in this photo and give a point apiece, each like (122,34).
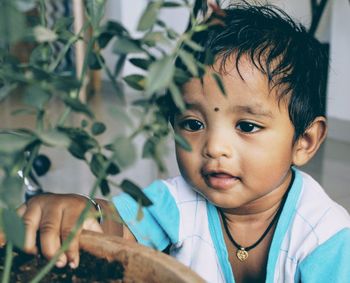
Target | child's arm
(54,216)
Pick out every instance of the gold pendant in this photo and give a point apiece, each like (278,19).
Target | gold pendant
(242,254)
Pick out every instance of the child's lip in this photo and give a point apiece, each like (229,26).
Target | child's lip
(220,180)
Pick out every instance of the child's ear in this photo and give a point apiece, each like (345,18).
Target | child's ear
(307,145)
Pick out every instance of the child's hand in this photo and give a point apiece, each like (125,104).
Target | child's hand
(54,216)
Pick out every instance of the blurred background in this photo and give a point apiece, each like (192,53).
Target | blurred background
(331,166)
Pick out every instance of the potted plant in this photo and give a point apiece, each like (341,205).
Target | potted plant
(42,85)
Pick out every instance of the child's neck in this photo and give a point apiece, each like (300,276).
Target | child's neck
(260,210)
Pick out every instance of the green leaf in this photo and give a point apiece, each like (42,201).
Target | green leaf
(149,16)
(104,186)
(23,111)
(65,83)
(12,23)
(193,45)
(81,141)
(13,227)
(62,24)
(110,30)
(104,38)
(172,34)
(120,114)
(12,142)
(181,76)
(154,38)
(155,148)
(124,45)
(55,138)
(84,123)
(95,9)
(98,128)
(182,142)
(160,74)
(77,150)
(115,28)
(97,164)
(141,63)
(119,65)
(36,96)
(135,192)
(219,83)
(161,23)
(78,106)
(177,97)
(135,81)
(12,162)
(11,191)
(41,54)
(189,61)
(148,150)
(124,152)
(199,28)
(94,62)
(44,34)
(113,169)
(25,5)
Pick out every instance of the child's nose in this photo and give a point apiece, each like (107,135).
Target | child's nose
(218,144)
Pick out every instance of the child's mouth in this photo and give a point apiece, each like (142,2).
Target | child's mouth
(220,180)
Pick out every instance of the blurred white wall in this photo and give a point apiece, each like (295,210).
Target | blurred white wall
(338,87)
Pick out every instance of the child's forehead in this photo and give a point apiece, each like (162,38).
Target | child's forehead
(245,82)
(233,75)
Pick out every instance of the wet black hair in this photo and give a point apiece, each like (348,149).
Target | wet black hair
(294,62)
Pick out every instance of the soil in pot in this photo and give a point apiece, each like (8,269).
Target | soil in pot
(91,269)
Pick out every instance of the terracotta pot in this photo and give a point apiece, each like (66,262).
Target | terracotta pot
(141,264)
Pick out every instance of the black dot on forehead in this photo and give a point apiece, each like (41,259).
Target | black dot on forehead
(216,109)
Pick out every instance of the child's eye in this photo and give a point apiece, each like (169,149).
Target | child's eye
(191,125)
(248,127)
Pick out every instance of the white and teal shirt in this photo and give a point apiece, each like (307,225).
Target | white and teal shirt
(311,242)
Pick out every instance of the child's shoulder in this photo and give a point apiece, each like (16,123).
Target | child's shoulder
(317,208)
(317,217)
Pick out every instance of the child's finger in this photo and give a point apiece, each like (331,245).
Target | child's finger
(31,216)
(72,253)
(50,240)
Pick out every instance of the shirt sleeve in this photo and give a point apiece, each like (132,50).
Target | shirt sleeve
(159,225)
(330,262)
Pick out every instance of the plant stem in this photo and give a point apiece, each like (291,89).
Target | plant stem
(64,116)
(32,156)
(66,48)
(8,263)
(117,88)
(81,78)
(62,53)
(42,13)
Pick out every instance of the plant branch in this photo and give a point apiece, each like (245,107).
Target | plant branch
(33,153)
(42,8)
(81,78)
(8,263)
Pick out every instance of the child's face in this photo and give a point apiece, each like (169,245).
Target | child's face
(242,143)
